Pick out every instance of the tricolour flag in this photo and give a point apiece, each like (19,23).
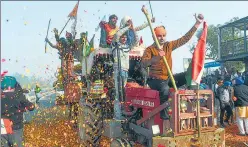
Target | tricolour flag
(73,15)
(199,56)
(74,11)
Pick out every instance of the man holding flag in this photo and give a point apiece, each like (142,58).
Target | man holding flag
(84,50)
(66,47)
(84,45)
(158,74)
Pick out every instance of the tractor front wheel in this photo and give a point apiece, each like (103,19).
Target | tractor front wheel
(90,124)
(121,142)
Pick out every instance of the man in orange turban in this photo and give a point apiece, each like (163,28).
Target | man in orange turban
(152,57)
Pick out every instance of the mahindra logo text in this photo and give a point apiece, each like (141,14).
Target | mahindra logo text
(143,103)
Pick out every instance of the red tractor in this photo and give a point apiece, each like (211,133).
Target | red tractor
(142,123)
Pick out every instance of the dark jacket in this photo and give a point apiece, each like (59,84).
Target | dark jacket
(221,95)
(13,104)
(246,79)
(241,92)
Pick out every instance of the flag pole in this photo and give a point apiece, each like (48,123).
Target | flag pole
(64,26)
(198,112)
(47,34)
(73,13)
(151,8)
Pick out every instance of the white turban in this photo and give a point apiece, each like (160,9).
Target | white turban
(124,21)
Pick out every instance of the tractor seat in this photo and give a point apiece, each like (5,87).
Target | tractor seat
(133,84)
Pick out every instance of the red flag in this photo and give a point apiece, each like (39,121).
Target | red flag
(160,145)
(4,73)
(6,126)
(74,11)
(140,41)
(199,56)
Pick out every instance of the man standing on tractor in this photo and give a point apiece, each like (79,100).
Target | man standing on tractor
(152,57)
(108,30)
(126,21)
(69,56)
(126,38)
(121,63)
(120,42)
(61,47)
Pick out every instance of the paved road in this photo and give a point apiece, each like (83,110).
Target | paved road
(45,102)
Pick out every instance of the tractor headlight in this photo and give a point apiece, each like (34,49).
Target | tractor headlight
(155,130)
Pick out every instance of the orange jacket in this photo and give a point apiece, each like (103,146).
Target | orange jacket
(158,70)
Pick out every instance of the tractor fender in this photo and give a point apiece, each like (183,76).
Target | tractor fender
(120,142)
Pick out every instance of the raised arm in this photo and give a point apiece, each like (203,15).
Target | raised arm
(141,27)
(183,40)
(135,42)
(56,34)
(102,24)
(119,33)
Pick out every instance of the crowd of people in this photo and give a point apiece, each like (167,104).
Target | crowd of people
(231,98)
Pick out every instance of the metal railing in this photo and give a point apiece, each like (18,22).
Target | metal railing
(234,48)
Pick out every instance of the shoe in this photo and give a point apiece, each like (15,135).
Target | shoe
(227,122)
(239,134)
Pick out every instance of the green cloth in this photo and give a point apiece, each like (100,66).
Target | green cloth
(188,75)
(88,47)
(8,81)
(37,89)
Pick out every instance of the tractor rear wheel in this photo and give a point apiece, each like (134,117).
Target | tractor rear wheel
(90,125)
(121,142)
